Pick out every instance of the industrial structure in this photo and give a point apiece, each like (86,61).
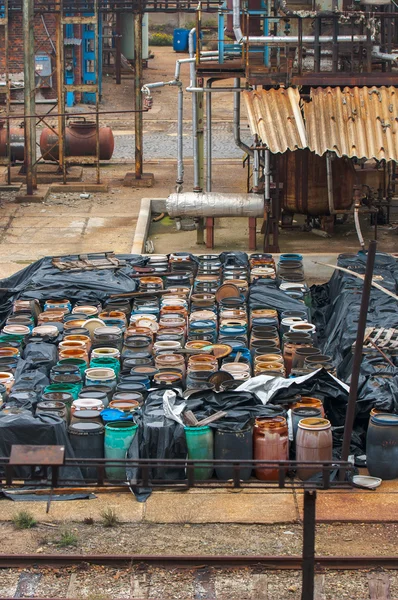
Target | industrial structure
(318,83)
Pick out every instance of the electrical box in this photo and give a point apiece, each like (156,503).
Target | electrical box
(43,70)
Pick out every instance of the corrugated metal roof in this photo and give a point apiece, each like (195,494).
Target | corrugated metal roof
(275,116)
(353,122)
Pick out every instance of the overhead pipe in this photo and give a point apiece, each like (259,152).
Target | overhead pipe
(282,39)
(200,204)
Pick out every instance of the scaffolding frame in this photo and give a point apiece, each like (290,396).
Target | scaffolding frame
(6,160)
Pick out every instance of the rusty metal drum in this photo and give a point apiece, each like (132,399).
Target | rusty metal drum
(17,142)
(80,140)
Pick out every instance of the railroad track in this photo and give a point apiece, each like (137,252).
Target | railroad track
(103,577)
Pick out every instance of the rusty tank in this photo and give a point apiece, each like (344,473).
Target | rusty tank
(304,177)
(80,140)
(17,142)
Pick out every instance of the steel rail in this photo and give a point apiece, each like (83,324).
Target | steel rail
(339,563)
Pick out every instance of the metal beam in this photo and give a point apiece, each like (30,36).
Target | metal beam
(29,95)
(138,121)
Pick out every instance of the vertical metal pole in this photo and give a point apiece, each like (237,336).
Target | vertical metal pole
(138,96)
(29,95)
(98,57)
(118,49)
(8,92)
(208,141)
(307,589)
(356,365)
(59,44)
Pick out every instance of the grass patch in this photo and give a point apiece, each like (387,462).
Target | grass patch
(24,520)
(161,39)
(88,521)
(109,518)
(67,538)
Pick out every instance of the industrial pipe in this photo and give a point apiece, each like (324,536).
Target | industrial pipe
(236,123)
(256,170)
(199,204)
(329,182)
(376,53)
(267,176)
(196,176)
(180,142)
(208,139)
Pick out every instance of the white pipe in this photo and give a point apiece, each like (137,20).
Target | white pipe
(256,170)
(329,181)
(180,142)
(208,142)
(358,226)
(195,138)
(267,176)
(199,204)
(383,55)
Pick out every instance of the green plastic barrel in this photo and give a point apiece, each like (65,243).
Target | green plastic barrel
(200,444)
(71,388)
(107,362)
(118,437)
(79,362)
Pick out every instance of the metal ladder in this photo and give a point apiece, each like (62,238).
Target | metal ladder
(90,89)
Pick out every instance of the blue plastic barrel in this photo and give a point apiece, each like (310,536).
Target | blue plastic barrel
(180,40)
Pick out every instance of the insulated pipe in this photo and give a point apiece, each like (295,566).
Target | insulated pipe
(256,170)
(329,181)
(195,140)
(376,53)
(199,204)
(208,139)
(267,176)
(180,143)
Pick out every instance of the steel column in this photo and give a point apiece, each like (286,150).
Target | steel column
(60,74)
(356,366)
(29,95)
(138,121)
(308,568)
(118,49)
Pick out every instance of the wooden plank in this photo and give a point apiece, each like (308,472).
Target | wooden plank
(379,586)
(140,584)
(319,587)
(79,20)
(73,588)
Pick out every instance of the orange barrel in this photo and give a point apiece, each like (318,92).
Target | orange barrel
(309,402)
(270,442)
(313,443)
(80,140)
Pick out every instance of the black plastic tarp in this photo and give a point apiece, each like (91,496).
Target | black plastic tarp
(41,280)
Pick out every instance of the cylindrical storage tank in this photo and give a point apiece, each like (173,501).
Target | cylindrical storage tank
(313,443)
(127,20)
(118,437)
(233,445)
(87,440)
(200,442)
(214,204)
(17,142)
(304,178)
(382,446)
(80,140)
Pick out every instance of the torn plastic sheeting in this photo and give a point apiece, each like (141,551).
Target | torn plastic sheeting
(41,280)
(241,408)
(27,377)
(171,409)
(46,497)
(160,437)
(40,430)
(268,295)
(40,354)
(321,384)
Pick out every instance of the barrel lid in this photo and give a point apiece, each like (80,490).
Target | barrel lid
(384,419)
(86,428)
(314,424)
(86,415)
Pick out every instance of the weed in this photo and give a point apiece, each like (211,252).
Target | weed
(68,538)
(24,520)
(161,39)
(109,517)
(88,521)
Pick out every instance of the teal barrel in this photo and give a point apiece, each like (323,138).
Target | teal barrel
(200,442)
(118,437)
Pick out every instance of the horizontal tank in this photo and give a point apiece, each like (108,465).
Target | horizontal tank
(80,140)
(304,178)
(17,142)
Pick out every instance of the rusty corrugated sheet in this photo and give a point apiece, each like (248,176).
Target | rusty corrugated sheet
(275,116)
(353,122)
